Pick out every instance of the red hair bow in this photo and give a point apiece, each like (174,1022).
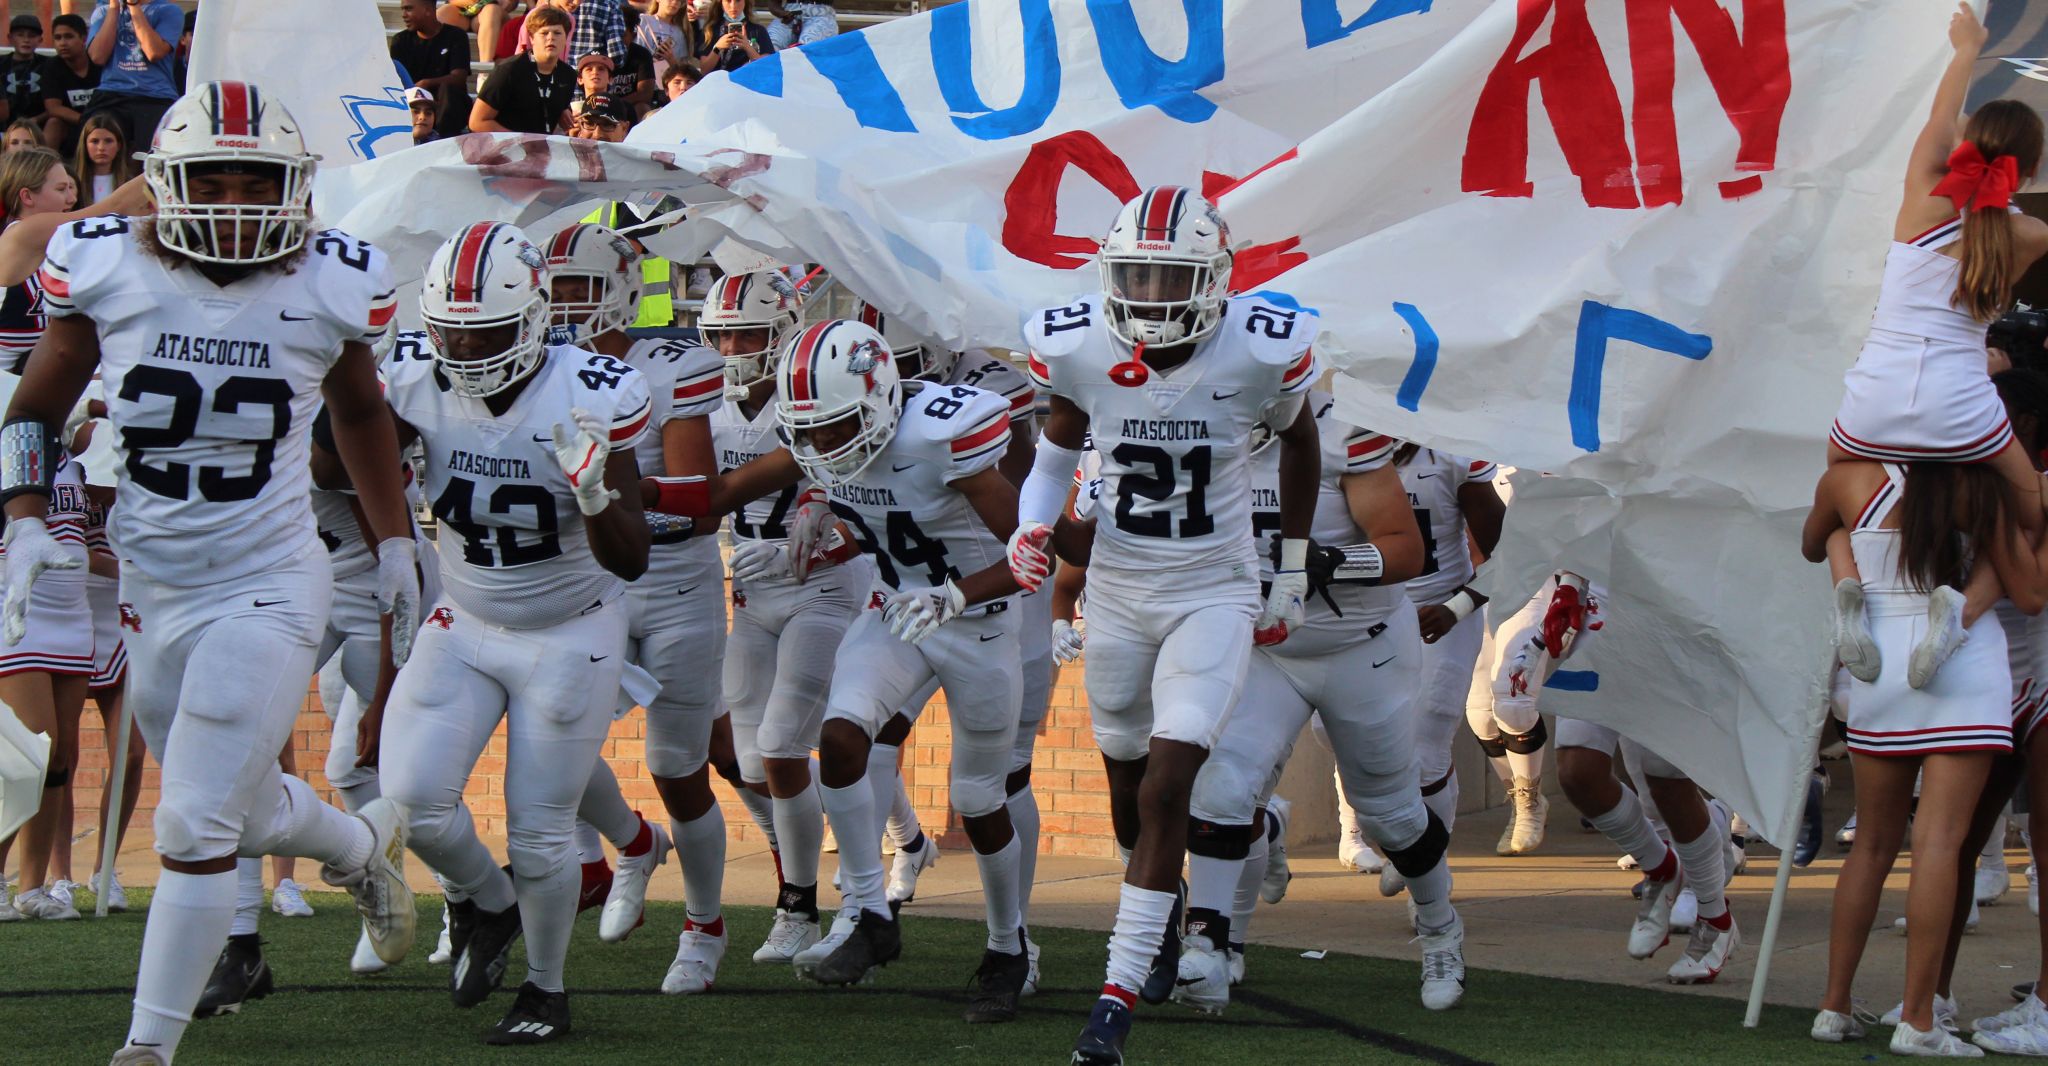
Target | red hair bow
(1977,184)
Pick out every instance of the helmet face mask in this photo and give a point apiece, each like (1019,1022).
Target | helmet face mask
(595,283)
(231,177)
(838,399)
(1166,268)
(485,307)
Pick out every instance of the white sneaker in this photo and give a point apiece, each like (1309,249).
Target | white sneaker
(1443,965)
(1391,881)
(8,911)
(1851,637)
(1030,978)
(1969,923)
(1355,851)
(1204,979)
(66,890)
(1685,913)
(40,903)
(1833,1027)
(807,960)
(1531,815)
(791,934)
(1945,633)
(698,954)
(1945,1012)
(382,897)
(1652,929)
(1846,835)
(1936,1044)
(1994,879)
(1274,888)
(2015,1040)
(117,897)
(1236,967)
(1707,952)
(365,963)
(444,948)
(627,900)
(289,900)
(905,868)
(2029,1011)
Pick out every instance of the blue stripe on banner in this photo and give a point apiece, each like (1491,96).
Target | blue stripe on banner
(909,254)
(1325,25)
(952,43)
(763,75)
(1574,681)
(981,251)
(1283,300)
(1598,324)
(1142,77)
(1419,371)
(849,63)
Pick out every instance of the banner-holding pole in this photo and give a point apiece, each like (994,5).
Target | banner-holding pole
(1788,836)
(117,783)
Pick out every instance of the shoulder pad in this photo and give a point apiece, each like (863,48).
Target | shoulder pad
(1056,331)
(1274,334)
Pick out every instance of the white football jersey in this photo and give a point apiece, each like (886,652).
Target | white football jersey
(212,389)
(994,374)
(739,440)
(919,530)
(519,555)
(1346,450)
(688,381)
(347,552)
(1176,475)
(1433,479)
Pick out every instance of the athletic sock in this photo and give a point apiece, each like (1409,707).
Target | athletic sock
(547,915)
(1431,894)
(1704,859)
(1212,882)
(1444,801)
(313,829)
(1630,830)
(355,797)
(1347,818)
(187,924)
(604,806)
(887,782)
(902,825)
(589,843)
(1141,915)
(464,864)
(1249,880)
(1527,764)
(800,827)
(999,892)
(248,897)
(700,850)
(762,810)
(861,877)
(1023,807)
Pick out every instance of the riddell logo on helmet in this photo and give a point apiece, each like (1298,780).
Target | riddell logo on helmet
(1154,246)
(465,310)
(227,142)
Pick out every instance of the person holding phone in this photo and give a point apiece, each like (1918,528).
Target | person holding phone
(734,40)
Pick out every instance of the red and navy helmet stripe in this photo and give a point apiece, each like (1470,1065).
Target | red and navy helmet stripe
(471,262)
(803,358)
(870,315)
(237,112)
(1159,217)
(733,292)
(563,246)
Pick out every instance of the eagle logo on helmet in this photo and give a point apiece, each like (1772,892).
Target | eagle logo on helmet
(863,359)
(625,249)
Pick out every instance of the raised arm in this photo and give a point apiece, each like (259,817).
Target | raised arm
(1929,160)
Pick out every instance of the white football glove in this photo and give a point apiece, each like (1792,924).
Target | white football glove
(582,451)
(30,551)
(398,593)
(915,614)
(814,523)
(1067,639)
(1030,563)
(1285,601)
(759,560)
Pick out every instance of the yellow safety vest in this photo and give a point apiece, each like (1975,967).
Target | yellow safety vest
(657,304)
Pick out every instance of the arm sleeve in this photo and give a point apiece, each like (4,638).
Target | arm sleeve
(1476,470)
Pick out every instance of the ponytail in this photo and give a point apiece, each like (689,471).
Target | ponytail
(1984,284)
(2003,143)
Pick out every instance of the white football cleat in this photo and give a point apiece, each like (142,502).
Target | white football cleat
(1355,851)
(1685,912)
(1833,1027)
(905,868)
(1236,967)
(1443,965)
(1627,864)
(1204,979)
(382,897)
(1707,952)
(444,948)
(138,1055)
(1652,929)
(627,901)
(698,954)
(1531,815)
(806,961)
(1937,1043)
(365,963)
(791,934)
(289,900)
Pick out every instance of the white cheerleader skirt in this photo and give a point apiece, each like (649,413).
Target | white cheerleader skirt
(1912,399)
(1967,707)
(59,639)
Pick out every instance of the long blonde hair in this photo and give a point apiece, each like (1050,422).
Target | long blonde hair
(23,170)
(1985,282)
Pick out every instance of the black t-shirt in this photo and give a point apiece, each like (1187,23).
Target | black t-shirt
(437,56)
(22,82)
(732,58)
(637,73)
(75,90)
(527,100)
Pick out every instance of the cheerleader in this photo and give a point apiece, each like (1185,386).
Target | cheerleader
(1920,390)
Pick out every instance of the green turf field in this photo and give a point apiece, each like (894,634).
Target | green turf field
(64,991)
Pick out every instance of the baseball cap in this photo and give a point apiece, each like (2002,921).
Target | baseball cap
(416,96)
(593,57)
(25,22)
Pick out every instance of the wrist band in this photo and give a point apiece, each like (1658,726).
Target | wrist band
(1462,604)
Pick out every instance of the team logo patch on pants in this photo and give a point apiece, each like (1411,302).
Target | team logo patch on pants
(442,617)
(130,620)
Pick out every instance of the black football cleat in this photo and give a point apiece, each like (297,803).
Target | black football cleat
(876,941)
(997,984)
(239,976)
(536,1017)
(480,967)
(1102,1042)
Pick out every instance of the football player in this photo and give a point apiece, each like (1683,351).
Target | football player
(218,326)
(1169,375)
(913,471)
(529,464)
(677,609)
(788,612)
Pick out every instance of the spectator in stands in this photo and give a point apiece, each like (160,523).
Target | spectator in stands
(664,32)
(135,41)
(484,16)
(593,79)
(735,39)
(530,93)
(103,160)
(598,26)
(799,22)
(633,84)
(601,119)
(681,79)
(21,133)
(436,56)
(426,115)
(21,73)
(69,79)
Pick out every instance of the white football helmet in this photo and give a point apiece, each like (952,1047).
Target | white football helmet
(763,299)
(485,277)
(832,371)
(228,126)
(1165,268)
(609,262)
(916,358)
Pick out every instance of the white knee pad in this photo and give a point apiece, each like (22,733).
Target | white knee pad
(976,792)
(1516,714)
(1122,744)
(782,737)
(677,746)
(536,860)
(1226,791)
(178,836)
(1392,816)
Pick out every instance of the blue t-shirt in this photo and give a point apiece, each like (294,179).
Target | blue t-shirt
(129,71)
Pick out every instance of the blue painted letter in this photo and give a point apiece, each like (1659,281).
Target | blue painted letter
(953,63)
(1598,324)
(1324,25)
(763,75)
(1410,394)
(1141,77)
(849,64)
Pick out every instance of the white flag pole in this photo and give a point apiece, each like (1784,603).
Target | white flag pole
(1788,836)
(117,783)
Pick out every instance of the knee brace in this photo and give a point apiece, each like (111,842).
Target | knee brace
(1217,840)
(58,777)
(535,861)
(1422,856)
(1018,780)
(1528,743)
(1516,714)
(1437,785)
(1495,747)
(1224,792)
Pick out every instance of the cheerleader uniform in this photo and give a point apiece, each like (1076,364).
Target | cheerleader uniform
(1920,389)
(103,595)
(1968,706)
(59,639)
(2026,639)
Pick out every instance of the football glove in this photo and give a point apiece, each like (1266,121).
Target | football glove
(1284,601)
(1029,562)
(582,448)
(914,614)
(30,551)
(760,560)
(398,593)
(1067,641)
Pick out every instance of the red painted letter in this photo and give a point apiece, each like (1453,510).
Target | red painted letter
(1751,75)
(1579,97)
(1031,206)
